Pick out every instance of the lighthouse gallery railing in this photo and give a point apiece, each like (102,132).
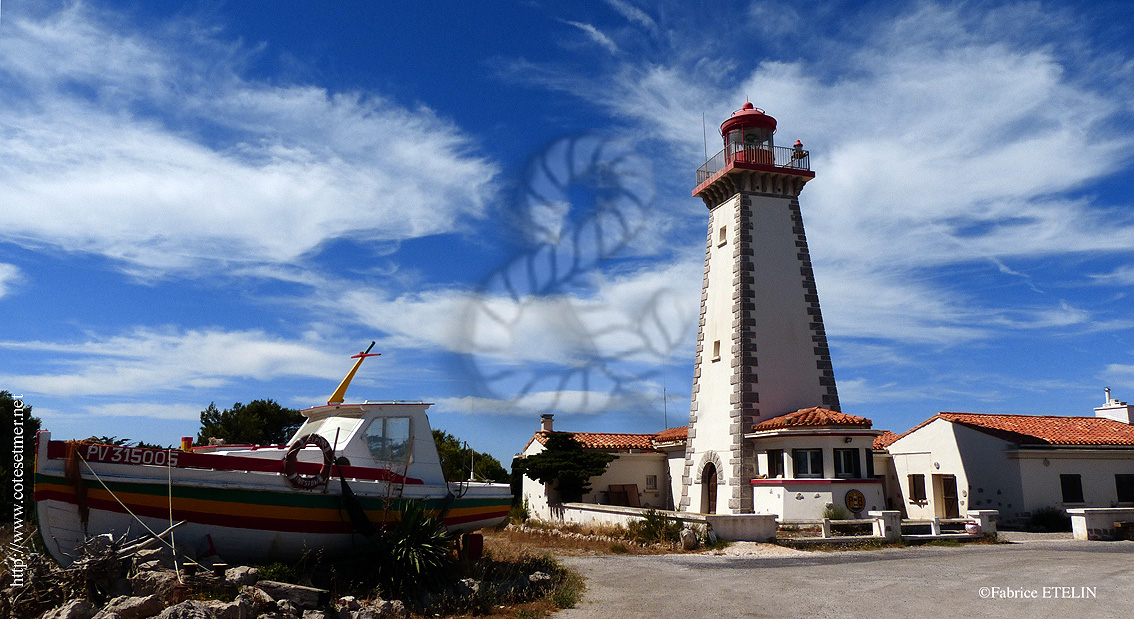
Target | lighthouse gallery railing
(778,156)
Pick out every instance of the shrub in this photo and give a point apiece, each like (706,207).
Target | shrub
(414,554)
(834,512)
(656,528)
(1049,519)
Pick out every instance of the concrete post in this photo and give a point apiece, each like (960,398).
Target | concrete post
(986,518)
(935,526)
(826,527)
(887,524)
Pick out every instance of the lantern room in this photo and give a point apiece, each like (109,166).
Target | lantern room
(749,129)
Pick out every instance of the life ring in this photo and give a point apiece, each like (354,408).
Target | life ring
(307,482)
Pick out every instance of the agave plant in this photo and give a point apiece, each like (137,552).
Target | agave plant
(414,554)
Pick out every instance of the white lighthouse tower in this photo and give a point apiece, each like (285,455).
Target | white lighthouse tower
(761,348)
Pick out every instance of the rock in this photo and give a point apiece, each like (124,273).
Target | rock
(240,608)
(468,587)
(688,539)
(302,597)
(159,582)
(314,614)
(126,607)
(154,559)
(539,578)
(189,609)
(347,602)
(241,575)
(382,609)
(75,609)
(288,607)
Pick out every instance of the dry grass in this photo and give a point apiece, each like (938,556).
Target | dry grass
(510,544)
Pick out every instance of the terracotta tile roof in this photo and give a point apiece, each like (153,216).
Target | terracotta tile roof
(619,440)
(606,440)
(672,435)
(882,441)
(1044,429)
(813,417)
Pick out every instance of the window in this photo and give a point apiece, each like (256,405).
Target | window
(717,350)
(808,462)
(1072,486)
(870,464)
(651,482)
(847,464)
(389,439)
(917,488)
(775,463)
(1124,483)
(723,236)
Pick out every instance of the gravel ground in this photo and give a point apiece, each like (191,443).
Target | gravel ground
(1032,579)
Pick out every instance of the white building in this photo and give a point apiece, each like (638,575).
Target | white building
(1016,464)
(642,476)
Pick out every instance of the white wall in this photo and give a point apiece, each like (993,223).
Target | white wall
(1040,470)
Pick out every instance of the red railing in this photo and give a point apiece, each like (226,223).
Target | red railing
(778,156)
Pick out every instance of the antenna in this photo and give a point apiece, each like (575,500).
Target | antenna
(665,402)
(705,134)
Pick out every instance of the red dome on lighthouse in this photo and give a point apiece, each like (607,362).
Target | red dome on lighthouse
(748,116)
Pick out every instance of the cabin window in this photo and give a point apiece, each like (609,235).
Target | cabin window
(846,464)
(775,463)
(389,439)
(1124,484)
(808,462)
(1072,486)
(336,430)
(917,488)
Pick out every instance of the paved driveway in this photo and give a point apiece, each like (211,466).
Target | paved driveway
(936,582)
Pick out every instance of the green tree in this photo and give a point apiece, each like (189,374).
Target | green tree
(564,460)
(23,442)
(455,460)
(261,422)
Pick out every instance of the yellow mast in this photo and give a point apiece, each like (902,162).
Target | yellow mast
(337,396)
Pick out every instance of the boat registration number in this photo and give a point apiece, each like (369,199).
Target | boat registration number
(131,455)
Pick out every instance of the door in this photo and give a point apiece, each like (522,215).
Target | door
(709,489)
(949,497)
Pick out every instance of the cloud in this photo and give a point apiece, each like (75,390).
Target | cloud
(594,34)
(150,361)
(565,401)
(153,148)
(151,410)
(10,275)
(1121,276)
(633,14)
(945,140)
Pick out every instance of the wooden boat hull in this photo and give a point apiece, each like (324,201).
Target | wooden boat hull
(237,514)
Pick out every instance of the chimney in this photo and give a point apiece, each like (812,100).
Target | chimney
(1113,409)
(545,422)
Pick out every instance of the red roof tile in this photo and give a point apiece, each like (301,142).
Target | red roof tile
(672,435)
(1044,429)
(882,441)
(606,440)
(813,417)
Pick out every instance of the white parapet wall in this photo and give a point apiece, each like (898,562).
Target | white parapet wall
(1098,523)
(732,527)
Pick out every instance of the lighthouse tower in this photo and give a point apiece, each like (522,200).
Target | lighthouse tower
(761,348)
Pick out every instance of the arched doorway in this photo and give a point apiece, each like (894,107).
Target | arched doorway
(709,489)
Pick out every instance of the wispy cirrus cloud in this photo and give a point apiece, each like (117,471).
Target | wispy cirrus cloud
(161,361)
(10,275)
(152,147)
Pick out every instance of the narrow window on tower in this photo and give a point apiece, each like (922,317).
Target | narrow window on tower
(717,350)
(723,236)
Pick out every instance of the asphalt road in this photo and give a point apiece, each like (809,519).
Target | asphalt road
(966,581)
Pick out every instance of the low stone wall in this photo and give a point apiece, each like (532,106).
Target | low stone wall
(732,527)
(1097,523)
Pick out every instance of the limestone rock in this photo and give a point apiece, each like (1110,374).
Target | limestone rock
(302,597)
(289,608)
(314,614)
(75,609)
(157,582)
(189,609)
(347,602)
(688,539)
(240,608)
(131,607)
(241,575)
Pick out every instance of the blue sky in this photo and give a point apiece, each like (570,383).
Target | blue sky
(218,202)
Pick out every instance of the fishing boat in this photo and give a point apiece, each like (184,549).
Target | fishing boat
(349,469)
